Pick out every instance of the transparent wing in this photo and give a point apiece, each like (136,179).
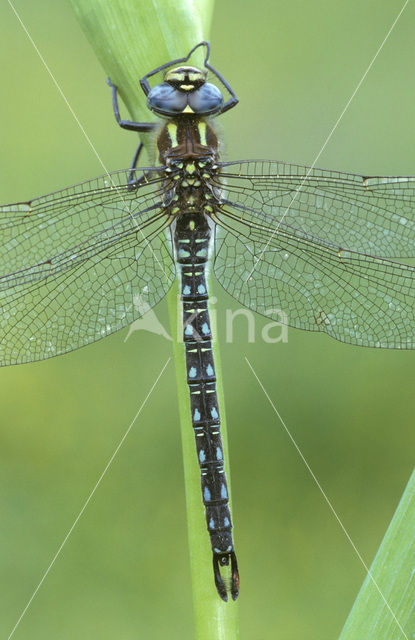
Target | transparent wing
(306,282)
(370,215)
(81,263)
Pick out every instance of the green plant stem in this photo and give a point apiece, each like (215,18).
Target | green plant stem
(384,607)
(130,38)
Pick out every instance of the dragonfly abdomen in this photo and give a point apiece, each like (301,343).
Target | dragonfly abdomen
(192,237)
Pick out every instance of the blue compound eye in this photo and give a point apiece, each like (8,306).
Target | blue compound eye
(166,100)
(206,100)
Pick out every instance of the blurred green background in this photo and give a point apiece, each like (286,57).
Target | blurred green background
(124,572)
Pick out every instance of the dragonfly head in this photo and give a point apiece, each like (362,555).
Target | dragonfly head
(185,78)
(185,92)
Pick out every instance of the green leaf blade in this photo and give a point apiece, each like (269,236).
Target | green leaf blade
(385,606)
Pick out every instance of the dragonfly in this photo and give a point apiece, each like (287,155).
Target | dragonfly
(324,246)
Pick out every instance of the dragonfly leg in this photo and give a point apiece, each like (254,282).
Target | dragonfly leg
(131,176)
(133,182)
(140,127)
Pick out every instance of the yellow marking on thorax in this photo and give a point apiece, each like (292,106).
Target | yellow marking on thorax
(202,133)
(172,131)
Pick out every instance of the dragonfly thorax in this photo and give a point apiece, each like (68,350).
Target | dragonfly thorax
(194,191)
(183,139)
